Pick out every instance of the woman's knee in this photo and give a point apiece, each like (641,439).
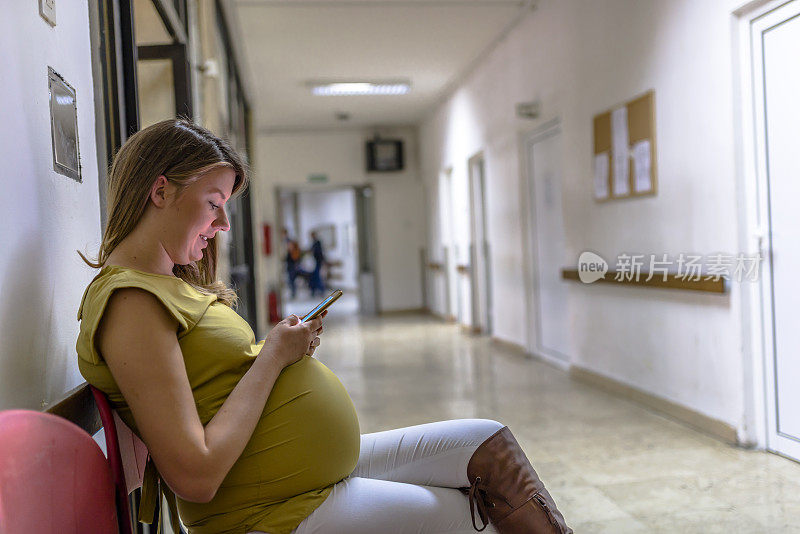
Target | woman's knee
(485,428)
(491,423)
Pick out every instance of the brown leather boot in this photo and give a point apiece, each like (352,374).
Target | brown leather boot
(507,491)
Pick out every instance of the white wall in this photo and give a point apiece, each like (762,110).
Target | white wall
(580,58)
(287,159)
(45,216)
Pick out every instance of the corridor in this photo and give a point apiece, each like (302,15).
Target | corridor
(612,466)
(528,205)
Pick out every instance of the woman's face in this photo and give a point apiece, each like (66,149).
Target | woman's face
(197,215)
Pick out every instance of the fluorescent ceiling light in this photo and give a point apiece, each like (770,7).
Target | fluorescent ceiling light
(359,88)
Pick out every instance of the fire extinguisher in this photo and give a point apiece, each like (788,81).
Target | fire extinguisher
(273,306)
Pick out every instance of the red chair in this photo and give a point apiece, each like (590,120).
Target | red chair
(127,456)
(53,477)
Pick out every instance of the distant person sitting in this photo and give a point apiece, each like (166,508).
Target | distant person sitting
(316,283)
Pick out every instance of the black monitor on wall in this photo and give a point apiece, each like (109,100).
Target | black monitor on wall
(384,155)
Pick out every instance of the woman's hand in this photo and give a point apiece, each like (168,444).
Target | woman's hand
(315,342)
(290,340)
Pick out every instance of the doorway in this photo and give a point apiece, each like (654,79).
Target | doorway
(341,219)
(775,40)
(549,333)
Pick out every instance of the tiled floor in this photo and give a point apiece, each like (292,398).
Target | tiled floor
(611,465)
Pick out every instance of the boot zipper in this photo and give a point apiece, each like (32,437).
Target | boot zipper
(543,503)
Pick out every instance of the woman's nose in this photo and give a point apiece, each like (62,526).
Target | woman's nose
(222,221)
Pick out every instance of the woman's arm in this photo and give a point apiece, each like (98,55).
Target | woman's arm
(137,338)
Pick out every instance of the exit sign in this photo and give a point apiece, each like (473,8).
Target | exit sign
(318,178)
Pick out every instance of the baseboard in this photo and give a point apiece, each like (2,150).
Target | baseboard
(405,311)
(703,423)
(510,346)
(558,363)
(520,350)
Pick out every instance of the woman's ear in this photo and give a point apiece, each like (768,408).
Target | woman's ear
(160,191)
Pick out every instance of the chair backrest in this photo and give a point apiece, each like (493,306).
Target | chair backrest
(127,455)
(53,477)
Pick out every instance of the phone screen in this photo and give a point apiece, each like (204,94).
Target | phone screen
(322,306)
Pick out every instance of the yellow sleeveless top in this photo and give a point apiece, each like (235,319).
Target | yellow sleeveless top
(306,440)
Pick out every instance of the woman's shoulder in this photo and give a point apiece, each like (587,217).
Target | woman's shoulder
(180,298)
(112,277)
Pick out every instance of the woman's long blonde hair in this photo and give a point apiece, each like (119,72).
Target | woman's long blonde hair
(182,152)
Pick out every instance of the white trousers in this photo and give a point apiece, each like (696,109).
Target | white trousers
(405,483)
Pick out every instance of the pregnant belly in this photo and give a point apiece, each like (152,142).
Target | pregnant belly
(307,438)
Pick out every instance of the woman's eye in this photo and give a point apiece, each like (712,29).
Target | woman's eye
(213,206)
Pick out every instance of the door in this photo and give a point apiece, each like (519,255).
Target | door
(479,249)
(548,302)
(775,39)
(447,243)
(365,228)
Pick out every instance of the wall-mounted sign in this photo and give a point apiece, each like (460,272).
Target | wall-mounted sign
(64,126)
(318,178)
(625,150)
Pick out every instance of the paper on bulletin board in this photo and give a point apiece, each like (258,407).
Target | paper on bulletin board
(642,181)
(601,175)
(620,151)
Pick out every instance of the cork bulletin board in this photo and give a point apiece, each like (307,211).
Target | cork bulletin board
(624,159)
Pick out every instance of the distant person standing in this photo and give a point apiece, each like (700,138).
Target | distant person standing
(293,255)
(315,282)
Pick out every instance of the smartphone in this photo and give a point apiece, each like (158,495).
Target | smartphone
(322,306)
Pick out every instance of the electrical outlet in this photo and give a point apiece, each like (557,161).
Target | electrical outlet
(47,9)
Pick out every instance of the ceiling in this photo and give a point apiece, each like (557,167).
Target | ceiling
(284,44)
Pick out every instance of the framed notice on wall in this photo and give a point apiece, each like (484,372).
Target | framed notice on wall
(624,157)
(64,126)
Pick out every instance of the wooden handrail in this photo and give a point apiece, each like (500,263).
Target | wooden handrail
(672,281)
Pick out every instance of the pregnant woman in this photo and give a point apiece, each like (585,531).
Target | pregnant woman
(260,436)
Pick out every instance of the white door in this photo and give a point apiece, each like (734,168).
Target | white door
(776,55)
(548,309)
(447,243)
(479,249)
(368,298)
